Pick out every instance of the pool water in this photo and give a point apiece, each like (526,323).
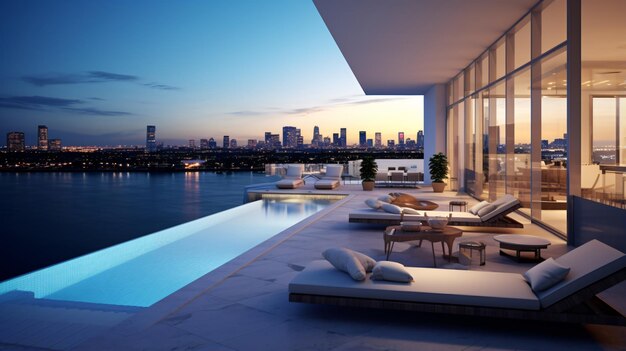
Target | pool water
(142,271)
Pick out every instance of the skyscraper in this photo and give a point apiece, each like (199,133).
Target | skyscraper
(233,143)
(212,143)
(420,140)
(42,137)
(204,144)
(226,142)
(15,141)
(317,138)
(252,143)
(391,143)
(290,137)
(268,138)
(401,139)
(378,140)
(192,143)
(275,141)
(343,137)
(336,140)
(370,143)
(362,138)
(151,139)
(54,145)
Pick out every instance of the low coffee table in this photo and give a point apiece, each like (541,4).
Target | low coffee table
(395,234)
(520,243)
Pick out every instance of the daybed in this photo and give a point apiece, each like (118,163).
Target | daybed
(495,218)
(293,177)
(332,179)
(594,268)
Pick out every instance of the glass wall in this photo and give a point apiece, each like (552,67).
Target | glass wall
(514,112)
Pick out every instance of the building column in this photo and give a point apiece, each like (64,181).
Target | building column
(434,124)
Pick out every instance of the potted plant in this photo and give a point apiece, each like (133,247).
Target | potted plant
(438,165)
(368,173)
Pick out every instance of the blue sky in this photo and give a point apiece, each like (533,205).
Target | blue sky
(98,72)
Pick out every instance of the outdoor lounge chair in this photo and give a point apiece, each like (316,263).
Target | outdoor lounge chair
(293,178)
(595,267)
(495,218)
(332,179)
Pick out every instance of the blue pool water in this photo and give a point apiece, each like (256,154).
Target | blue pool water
(142,271)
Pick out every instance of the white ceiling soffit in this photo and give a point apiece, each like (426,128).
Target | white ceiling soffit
(403,47)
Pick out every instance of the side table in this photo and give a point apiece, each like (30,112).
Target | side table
(462,205)
(473,246)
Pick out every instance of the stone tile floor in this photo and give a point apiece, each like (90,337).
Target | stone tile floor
(249,310)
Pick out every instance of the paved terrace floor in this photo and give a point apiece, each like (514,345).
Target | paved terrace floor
(248,308)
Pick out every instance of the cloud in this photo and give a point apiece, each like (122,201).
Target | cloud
(44,103)
(246,113)
(42,80)
(161,86)
(36,102)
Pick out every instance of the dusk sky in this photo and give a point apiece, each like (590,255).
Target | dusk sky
(98,72)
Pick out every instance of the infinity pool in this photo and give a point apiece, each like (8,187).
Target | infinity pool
(141,272)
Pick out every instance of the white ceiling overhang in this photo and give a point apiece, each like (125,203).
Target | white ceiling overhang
(404,47)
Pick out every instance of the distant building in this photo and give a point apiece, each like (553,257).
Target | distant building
(420,140)
(370,143)
(362,138)
(317,138)
(290,137)
(410,144)
(252,143)
(275,141)
(192,143)
(300,142)
(226,142)
(378,140)
(151,145)
(343,137)
(326,141)
(233,143)
(336,140)
(400,139)
(54,145)
(15,141)
(42,137)
(391,143)
(212,143)
(204,144)
(268,138)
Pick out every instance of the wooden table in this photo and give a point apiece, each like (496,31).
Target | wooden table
(393,234)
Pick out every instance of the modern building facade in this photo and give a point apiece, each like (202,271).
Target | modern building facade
(362,138)
(151,145)
(16,141)
(378,140)
(226,142)
(290,137)
(55,145)
(42,138)
(525,97)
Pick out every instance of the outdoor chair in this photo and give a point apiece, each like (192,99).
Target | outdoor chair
(293,177)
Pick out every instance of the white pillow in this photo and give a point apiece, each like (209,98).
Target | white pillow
(391,208)
(546,274)
(486,210)
(408,210)
(386,198)
(391,271)
(367,262)
(474,209)
(373,203)
(345,261)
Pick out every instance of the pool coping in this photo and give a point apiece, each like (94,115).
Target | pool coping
(187,294)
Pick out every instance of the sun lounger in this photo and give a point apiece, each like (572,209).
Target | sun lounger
(332,179)
(594,268)
(496,218)
(293,177)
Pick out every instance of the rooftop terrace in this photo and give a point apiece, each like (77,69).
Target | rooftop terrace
(243,305)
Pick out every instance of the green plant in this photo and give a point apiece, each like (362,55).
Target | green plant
(438,165)
(368,169)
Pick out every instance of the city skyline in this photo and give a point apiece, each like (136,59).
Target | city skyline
(194,69)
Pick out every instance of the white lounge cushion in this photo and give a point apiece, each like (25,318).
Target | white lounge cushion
(333,171)
(326,184)
(474,209)
(367,262)
(486,210)
(502,204)
(588,263)
(386,198)
(545,274)
(374,203)
(345,261)
(409,210)
(289,183)
(373,215)
(445,286)
(391,208)
(391,271)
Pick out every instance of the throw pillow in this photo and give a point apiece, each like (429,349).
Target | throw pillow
(486,210)
(391,208)
(367,262)
(386,198)
(474,209)
(391,271)
(345,261)
(373,203)
(546,274)
(408,210)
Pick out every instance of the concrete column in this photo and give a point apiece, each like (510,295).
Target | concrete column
(434,124)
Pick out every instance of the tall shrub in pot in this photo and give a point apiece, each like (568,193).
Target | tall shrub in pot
(368,173)
(438,165)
